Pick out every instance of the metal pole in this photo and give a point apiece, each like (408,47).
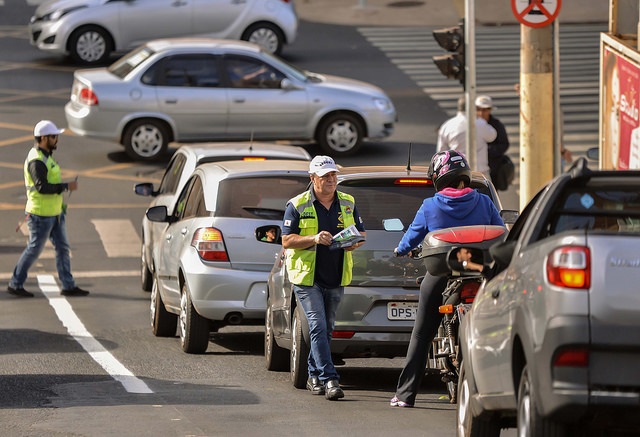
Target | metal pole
(470,80)
(558,118)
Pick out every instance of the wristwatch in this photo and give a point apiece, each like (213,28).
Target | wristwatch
(464,264)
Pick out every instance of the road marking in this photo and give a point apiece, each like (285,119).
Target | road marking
(93,347)
(84,275)
(119,238)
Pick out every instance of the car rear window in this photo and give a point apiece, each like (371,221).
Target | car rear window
(597,206)
(383,198)
(129,62)
(258,197)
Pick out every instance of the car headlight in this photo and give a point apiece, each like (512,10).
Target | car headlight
(383,104)
(59,13)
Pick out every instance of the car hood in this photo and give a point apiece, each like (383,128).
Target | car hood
(50,6)
(346,85)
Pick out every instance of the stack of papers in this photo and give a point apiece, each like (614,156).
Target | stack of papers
(346,238)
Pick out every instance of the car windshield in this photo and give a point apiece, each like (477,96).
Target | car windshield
(129,62)
(258,197)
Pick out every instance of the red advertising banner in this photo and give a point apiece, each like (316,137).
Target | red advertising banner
(620,113)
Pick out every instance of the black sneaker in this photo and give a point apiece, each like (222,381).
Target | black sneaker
(20,292)
(315,386)
(75,291)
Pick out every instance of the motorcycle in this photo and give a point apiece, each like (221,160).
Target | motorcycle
(462,255)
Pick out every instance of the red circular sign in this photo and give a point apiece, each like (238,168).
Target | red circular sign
(536,13)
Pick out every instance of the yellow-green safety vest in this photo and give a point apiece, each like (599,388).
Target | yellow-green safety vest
(45,205)
(301,262)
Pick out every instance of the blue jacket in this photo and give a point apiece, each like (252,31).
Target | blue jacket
(449,208)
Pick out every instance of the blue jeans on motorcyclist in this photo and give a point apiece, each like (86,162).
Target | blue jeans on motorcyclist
(320,306)
(424,331)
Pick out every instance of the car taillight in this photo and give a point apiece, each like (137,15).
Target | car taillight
(570,266)
(209,244)
(469,291)
(87,97)
(413,181)
(574,357)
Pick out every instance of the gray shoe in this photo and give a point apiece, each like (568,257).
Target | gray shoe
(315,386)
(332,390)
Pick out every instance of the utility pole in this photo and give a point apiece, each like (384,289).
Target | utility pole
(470,80)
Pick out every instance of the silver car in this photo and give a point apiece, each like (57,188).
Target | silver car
(211,265)
(182,164)
(552,342)
(377,313)
(207,90)
(90,30)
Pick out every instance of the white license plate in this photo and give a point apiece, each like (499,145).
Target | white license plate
(402,310)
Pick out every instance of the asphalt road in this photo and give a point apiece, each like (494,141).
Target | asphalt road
(50,380)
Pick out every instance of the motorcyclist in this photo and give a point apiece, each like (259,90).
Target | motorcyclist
(454,204)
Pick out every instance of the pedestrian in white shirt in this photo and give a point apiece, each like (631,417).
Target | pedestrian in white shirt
(452,136)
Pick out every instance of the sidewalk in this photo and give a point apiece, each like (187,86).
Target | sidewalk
(435,12)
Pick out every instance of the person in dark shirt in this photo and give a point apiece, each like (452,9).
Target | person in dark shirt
(45,212)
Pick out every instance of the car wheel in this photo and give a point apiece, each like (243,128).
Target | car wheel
(267,36)
(90,45)
(467,424)
(145,273)
(530,423)
(340,135)
(194,329)
(163,323)
(299,351)
(146,139)
(276,357)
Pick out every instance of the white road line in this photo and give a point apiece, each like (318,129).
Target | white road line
(76,329)
(119,238)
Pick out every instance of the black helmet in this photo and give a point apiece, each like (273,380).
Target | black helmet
(447,168)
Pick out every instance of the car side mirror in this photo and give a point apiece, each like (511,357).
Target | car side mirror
(503,252)
(287,85)
(269,234)
(158,214)
(144,189)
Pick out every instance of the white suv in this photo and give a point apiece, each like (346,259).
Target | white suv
(89,30)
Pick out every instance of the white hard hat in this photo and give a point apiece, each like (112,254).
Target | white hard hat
(46,127)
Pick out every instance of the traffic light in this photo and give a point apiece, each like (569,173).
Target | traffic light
(452,40)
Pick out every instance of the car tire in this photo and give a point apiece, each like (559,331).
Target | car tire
(163,323)
(468,425)
(146,139)
(340,135)
(276,357)
(529,421)
(299,351)
(194,329)
(266,35)
(90,46)
(146,277)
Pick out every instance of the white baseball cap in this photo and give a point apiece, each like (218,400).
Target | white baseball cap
(484,102)
(46,127)
(321,165)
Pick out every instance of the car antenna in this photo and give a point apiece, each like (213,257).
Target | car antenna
(409,159)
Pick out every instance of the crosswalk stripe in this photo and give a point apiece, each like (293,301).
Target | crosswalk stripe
(497,68)
(119,238)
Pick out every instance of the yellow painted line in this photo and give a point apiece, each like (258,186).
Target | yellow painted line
(16,126)
(12,141)
(12,185)
(20,206)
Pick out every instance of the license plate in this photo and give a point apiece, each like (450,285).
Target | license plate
(402,310)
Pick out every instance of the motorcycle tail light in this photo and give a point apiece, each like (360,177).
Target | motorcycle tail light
(446,309)
(209,244)
(570,266)
(469,291)
(574,357)
(342,334)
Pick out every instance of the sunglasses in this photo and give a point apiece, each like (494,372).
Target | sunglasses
(53,136)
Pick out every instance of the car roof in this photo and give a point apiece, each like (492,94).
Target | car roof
(226,169)
(391,171)
(164,44)
(246,150)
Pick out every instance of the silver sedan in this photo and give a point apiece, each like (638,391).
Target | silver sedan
(208,90)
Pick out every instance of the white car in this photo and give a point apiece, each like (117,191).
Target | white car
(203,89)
(182,164)
(90,30)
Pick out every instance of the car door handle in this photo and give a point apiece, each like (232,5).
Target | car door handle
(178,3)
(495,293)
(168,237)
(238,100)
(171,101)
(184,231)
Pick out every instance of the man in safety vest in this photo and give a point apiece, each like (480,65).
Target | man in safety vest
(45,212)
(318,269)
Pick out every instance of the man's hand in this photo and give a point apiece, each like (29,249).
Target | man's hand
(324,238)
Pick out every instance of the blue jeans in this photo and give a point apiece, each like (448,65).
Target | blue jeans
(320,306)
(42,229)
